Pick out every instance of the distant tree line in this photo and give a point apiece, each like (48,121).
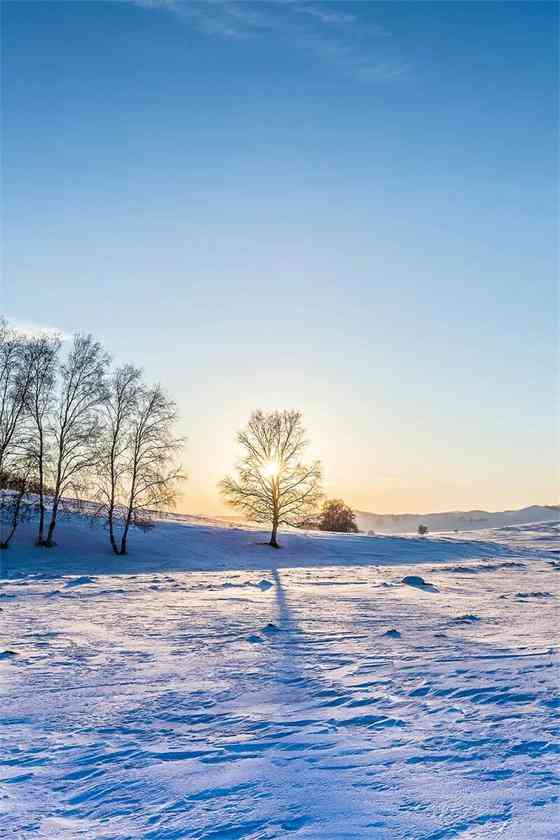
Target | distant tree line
(73,426)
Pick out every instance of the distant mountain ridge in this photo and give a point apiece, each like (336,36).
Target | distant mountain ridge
(471,520)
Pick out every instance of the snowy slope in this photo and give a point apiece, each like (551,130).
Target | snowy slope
(185,544)
(208,687)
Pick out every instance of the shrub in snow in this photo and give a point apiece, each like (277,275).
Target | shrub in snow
(338,517)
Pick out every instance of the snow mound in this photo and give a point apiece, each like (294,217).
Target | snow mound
(254,639)
(79,581)
(468,618)
(263,585)
(419,583)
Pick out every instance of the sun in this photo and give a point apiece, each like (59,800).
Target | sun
(271,468)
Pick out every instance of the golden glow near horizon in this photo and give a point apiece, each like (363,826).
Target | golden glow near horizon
(371,460)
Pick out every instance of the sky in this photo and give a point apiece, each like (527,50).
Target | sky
(344,208)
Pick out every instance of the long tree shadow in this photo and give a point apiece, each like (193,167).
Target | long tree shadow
(305,697)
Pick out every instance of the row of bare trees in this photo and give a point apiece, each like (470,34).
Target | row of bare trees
(73,427)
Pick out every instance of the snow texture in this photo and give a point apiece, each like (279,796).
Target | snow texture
(209,687)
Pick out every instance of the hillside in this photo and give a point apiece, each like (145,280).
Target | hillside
(190,543)
(455,520)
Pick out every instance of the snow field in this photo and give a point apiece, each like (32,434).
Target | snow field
(285,699)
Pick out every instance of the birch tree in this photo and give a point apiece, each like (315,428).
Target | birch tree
(272,484)
(42,359)
(138,470)
(76,422)
(113,459)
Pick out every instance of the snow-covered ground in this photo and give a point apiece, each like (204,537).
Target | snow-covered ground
(209,687)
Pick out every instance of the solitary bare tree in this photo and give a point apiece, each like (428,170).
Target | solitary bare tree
(272,484)
(42,358)
(76,421)
(137,468)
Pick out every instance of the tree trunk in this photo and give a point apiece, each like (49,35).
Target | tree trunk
(6,542)
(111,511)
(52,525)
(124,541)
(273,542)
(15,520)
(41,529)
(275,512)
(58,489)
(125,531)
(130,509)
(114,545)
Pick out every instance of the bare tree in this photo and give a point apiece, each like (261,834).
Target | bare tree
(113,459)
(137,464)
(76,422)
(42,359)
(272,484)
(14,386)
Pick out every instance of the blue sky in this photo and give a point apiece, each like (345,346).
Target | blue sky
(347,208)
